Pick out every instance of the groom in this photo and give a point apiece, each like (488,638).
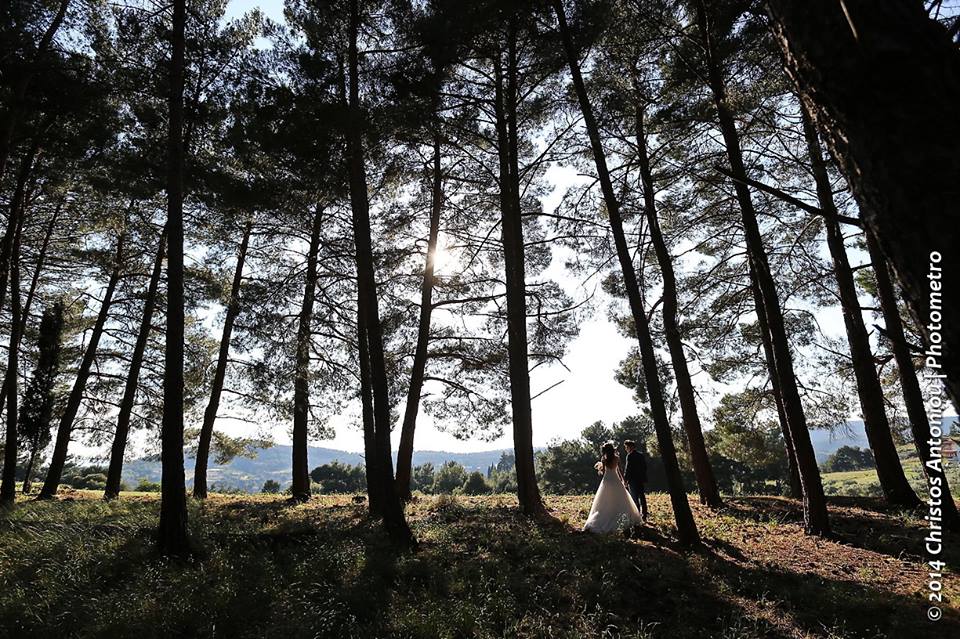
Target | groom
(635,476)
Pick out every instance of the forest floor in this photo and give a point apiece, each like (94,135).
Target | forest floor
(79,567)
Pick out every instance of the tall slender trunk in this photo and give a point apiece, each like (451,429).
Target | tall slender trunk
(505,104)
(300,487)
(703,471)
(11,118)
(20,203)
(910,385)
(172,531)
(8,488)
(15,216)
(38,267)
(686,527)
(793,472)
(372,466)
(117,450)
(393,517)
(216,388)
(893,482)
(405,453)
(872,73)
(816,521)
(28,471)
(65,428)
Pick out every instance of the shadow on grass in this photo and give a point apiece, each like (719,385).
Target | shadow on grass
(329,571)
(861,522)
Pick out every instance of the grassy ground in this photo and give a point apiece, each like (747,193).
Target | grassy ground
(79,567)
(862,483)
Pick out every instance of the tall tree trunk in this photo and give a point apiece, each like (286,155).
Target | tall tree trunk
(872,74)
(8,488)
(393,517)
(896,488)
(28,471)
(11,117)
(405,453)
(686,527)
(210,414)
(65,428)
(117,450)
(38,267)
(910,385)
(793,472)
(374,478)
(505,104)
(816,521)
(703,471)
(300,487)
(375,482)
(15,216)
(172,532)
(19,202)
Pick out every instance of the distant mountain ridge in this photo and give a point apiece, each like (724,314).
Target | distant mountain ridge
(274,463)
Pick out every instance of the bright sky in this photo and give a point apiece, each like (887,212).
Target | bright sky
(588,391)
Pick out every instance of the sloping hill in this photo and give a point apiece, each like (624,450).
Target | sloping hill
(274,463)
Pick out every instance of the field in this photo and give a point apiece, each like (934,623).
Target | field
(862,483)
(80,567)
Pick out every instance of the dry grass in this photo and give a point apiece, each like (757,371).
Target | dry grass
(82,568)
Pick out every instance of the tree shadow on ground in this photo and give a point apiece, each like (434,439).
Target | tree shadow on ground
(859,522)
(328,570)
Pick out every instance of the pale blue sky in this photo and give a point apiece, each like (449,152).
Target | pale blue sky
(588,391)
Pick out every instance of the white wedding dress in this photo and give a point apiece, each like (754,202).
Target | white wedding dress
(613,508)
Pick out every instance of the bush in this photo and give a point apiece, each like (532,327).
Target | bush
(476,485)
(93,481)
(449,478)
(337,477)
(147,486)
(270,487)
(848,458)
(422,478)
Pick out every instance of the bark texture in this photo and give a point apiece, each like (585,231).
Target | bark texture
(816,521)
(172,533)
(893,481)
(874,75)
(393,517)
(505,106)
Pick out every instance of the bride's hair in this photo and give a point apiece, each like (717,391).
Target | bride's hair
(608,453)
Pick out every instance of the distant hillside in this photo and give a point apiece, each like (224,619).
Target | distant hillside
(825,442)
(274,463)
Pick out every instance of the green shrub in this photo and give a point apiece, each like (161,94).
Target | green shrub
(270,487)
(147,486)
(476,485)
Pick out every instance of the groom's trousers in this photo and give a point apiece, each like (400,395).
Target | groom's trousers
(639,496)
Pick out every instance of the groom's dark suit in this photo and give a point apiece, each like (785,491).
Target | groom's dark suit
(635,475)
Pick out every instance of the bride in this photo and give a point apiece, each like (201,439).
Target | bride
(613,507)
